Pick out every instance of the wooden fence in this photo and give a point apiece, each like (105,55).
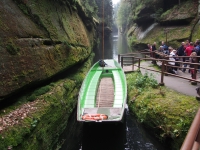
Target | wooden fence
(131,59)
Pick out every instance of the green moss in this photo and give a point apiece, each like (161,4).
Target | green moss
(11,48)
(42,90)
(179,12)
(32,98)
(166,113)
(24,8)
(55,103)
(173,36)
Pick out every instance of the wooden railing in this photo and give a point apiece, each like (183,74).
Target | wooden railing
(192,140)
(131,59)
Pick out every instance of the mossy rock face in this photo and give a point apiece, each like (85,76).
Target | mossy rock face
(44,118)
(48,37)
(165,112)
(178,14)
(175,24)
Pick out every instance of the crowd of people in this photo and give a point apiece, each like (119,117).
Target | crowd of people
(186,48)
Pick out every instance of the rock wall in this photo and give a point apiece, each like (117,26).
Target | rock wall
(175,23)
(39,39)
(37,119)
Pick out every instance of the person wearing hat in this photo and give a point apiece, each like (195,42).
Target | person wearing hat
(172,58)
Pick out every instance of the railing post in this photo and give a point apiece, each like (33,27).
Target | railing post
(162,73)
(166,67)
(139,64)
(122,63)
(195,68)
(132,63)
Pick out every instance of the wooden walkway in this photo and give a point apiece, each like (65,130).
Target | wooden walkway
(105,94)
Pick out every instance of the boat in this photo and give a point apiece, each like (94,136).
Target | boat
(103,94)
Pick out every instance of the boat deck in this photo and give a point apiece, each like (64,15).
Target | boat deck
(105,93)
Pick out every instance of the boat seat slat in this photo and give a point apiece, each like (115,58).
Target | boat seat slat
(91,90)
(118,89)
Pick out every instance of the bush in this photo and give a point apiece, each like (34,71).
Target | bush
(42,90)
(31,98)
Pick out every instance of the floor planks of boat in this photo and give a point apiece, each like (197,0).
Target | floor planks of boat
(105,100)
(105,94)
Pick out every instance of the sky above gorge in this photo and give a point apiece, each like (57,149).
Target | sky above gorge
(115,1)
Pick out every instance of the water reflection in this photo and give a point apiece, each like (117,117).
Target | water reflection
(113,46)
(138,138)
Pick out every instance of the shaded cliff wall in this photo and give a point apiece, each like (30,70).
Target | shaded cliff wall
(39,39)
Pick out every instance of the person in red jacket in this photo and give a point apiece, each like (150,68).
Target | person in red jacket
(188,52)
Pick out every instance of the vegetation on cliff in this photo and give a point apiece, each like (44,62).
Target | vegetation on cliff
(37,119)
(178,19)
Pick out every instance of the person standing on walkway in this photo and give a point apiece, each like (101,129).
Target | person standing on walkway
(181,52)
(165,47)
(150,49)
(172,62)
(192,66)
(187,43)
(197,50)
(188,52)
(153,52)
(161,49)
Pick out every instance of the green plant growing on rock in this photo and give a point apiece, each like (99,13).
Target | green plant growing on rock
(42,90)
(91,7)
(167,113)
(38,92)
(32,98)
(158,14)
(11,48)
